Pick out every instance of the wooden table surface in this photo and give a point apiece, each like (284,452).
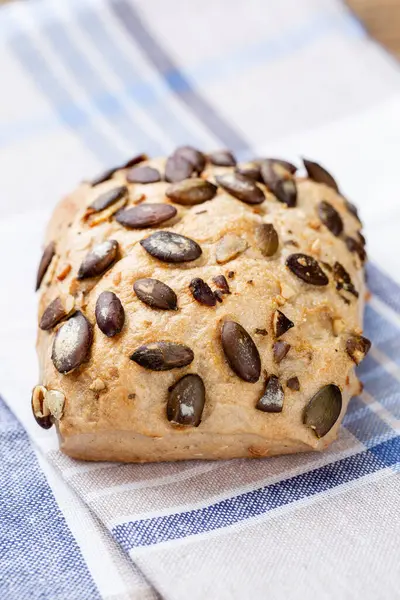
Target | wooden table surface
(380,17)
(382,20)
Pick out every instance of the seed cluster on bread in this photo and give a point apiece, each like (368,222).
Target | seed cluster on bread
(194,307)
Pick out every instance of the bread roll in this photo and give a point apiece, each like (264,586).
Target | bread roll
(192,307)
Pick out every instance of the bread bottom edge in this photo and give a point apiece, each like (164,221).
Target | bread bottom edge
(125,446)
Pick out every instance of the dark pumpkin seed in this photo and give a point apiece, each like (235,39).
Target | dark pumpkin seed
(330,217)
(156,294)
(362,238)
(279,350)
(222,158)
(106,175)
(190,192)
(163,356)
(186,401)
(103,176)
(202,292)
(193,156)
(343,279)
(272,399)
(352,208)
(323,410)
(72,343)
(285,164)
(281,324)
(177,168)
(240,351)
(357,247)
(357,347)
(109,198)
(293,384)
(280,182)
(135,161)
(307,268)
(251,170)
(110,314)
(143,175)
(319,174)
(221,282)
(241,187)
(145,215)
(219,295)
(44,264)
(171,247)
(261,331)
(56,312)
(267,239)
(40,410)
(98,260)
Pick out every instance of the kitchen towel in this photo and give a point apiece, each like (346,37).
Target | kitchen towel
(85,84)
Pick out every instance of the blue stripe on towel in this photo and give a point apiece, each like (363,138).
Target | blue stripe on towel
(39,557)
(229,511)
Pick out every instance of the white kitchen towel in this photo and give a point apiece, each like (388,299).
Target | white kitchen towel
(85,85)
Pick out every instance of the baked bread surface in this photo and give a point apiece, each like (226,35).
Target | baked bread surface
(115,409)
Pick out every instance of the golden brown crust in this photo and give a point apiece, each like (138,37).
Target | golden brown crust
(116,409)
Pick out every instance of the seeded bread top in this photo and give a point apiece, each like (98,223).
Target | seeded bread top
(194,294)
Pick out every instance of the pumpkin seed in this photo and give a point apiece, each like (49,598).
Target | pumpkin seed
(272,399)
(293,384)
(280,349)
(330,217)
(222,283)
(280,182)
(177,168)
(193,156)
(202,292)
(307,268)
(190,192)
(186,401)
(251,170)
(171,247)
(317,173)
(240,351)
(145,215)
(357,247)
(323,410)
(222,158)
(241,187)
(163,356)
(44,264)
(357,347)
(56,311)
(343,279)
(39,407)
(99,259)
(156,294)
(72,343)
(110,314)
(109,198)
(267,239)
(143,175)
(281,324)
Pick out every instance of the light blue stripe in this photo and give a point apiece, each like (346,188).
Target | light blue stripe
(68,112)
(383,287)
(39,557)
(147,96)
(95,88)
(147,532)
(203,74)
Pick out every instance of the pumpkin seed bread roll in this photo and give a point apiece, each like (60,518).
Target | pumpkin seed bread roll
(192,307)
